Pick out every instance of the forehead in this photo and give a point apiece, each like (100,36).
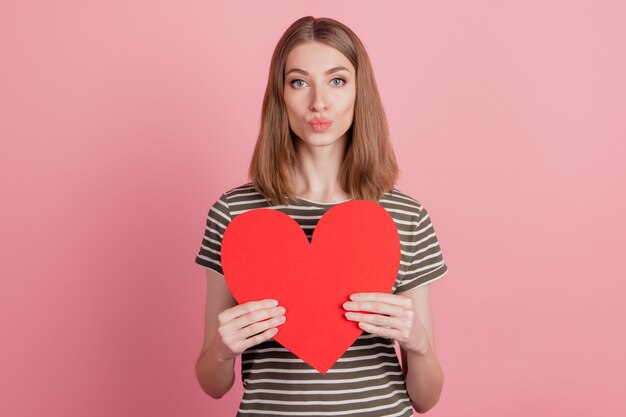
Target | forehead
(316,57)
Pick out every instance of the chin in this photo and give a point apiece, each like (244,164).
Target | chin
(319,139)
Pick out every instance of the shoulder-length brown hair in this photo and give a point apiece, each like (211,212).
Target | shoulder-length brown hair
(369,168)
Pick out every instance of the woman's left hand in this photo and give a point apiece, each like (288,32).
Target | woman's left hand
(388,315)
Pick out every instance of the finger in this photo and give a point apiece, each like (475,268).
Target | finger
(252,341)
(379,307)
(259,327)
(381,321)
(252,317)
(394,299)
(381,331)
(241,309)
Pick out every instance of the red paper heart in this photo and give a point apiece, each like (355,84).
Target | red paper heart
(354,248)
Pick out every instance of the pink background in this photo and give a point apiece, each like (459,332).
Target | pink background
(121,122)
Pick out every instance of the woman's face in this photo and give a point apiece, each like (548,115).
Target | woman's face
(320,84)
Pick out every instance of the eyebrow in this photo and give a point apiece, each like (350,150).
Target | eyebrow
(330,71)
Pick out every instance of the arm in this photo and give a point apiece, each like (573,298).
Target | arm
(216,376)
(422,373)
(230,329)
(407,318)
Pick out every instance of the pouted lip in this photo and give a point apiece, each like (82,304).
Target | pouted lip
(320,125)
(321,120)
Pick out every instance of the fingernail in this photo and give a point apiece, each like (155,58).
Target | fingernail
(273,303)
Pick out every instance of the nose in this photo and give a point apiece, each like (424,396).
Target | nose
(319,102)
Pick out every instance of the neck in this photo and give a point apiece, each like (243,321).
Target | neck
(317,171)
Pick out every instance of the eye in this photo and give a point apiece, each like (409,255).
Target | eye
(296,81)
(293,83)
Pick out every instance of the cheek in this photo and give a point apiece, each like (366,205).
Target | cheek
(346,103)
(289,108)
(347,109)
(294,121)
(293,104)
(293,116)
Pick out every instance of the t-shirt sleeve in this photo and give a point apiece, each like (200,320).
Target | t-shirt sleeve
(209,255)
(427,262)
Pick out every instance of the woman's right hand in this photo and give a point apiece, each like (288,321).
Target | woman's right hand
(246,325)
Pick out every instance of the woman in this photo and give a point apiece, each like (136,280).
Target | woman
(324,140)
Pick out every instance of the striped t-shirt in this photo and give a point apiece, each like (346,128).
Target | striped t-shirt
(367,380)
